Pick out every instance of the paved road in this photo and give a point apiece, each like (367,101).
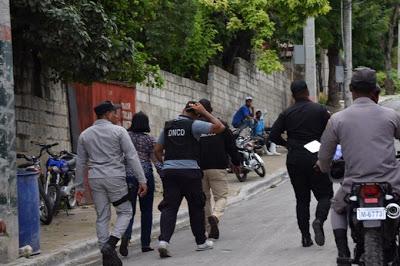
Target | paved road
(260,231)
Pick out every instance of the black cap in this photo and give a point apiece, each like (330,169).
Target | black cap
(364,78)
(298,86)
(207,105)
(105,107)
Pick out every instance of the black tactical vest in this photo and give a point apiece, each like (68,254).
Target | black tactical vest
(179,141)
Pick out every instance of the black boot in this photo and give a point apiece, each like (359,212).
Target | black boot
(319,232)
(344,256)
(306,240)
(123,248)
(110,256)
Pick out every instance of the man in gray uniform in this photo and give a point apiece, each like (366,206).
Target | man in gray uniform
(366,132)
(103,148)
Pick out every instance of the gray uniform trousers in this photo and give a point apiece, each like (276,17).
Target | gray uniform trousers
(105,191)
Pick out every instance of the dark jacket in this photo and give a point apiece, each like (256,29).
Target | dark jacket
(215,150)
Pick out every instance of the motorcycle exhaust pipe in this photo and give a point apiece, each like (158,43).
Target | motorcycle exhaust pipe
(393,211)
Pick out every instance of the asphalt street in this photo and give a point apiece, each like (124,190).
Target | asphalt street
(259,231)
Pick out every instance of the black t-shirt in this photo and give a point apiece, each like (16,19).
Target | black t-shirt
(215,150)
(304,122)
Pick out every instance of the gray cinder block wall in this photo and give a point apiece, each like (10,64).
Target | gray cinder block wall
(226,91)
(43,119)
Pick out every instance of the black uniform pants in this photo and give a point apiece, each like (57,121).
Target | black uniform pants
(304,181)
(178,184)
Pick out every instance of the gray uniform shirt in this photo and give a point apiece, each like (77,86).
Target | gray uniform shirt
(103,148)
(366,132)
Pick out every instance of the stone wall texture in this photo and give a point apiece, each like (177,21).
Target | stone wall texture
(226,91)
(42,119)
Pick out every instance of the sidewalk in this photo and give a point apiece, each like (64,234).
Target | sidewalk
(79,225)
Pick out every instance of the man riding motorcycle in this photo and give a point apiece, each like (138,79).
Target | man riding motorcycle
(366,133)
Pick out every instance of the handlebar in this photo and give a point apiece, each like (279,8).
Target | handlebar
(45,147)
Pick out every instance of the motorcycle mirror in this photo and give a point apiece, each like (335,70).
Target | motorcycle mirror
(20,156)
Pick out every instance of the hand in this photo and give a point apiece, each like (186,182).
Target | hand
(142,190)
(79,196)
(317,168)
(199,108)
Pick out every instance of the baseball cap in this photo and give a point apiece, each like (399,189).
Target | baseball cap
(364,78)
(105,107)
(249,98)
(298,86)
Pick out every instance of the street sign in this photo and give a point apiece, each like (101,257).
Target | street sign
(299,55)
(339,74)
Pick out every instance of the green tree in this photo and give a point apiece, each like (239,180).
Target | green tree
(73,41)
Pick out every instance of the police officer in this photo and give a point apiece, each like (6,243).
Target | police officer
(102,148)
(215,150)
(304,122)
(179,145)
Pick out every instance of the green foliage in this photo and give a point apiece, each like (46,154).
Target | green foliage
(76,41)
(381,77)
(130,40)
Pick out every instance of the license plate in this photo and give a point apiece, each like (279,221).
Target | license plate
(366,214)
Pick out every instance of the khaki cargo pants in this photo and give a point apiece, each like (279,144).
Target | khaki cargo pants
(215,182)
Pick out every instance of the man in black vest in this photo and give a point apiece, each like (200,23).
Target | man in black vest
(215,150)
(179,145)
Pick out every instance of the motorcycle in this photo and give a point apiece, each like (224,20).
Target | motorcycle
(33,164)
(373,216)
(250,160)
(60,179)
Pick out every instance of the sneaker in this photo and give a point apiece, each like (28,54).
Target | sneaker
(319,232)
(110,256)
(163,249)
(205,246)
(269,153)
(214,231)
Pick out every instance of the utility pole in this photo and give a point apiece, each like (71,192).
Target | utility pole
(398,50)
(8,194)
(310,58)
(347,25)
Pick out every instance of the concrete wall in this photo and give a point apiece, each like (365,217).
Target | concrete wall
(8,187)
(43,119)
(226,91)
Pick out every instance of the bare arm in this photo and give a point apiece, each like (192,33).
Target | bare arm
(159,152)
(217,126)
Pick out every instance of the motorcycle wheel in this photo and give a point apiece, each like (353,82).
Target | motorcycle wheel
(53,192)
(260,171)
(46,215)
(242,176)
(373,255)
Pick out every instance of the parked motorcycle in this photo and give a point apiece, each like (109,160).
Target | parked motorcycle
(60,179)
(250,160)
(33,164)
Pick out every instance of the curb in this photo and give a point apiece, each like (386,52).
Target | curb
(86,252)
